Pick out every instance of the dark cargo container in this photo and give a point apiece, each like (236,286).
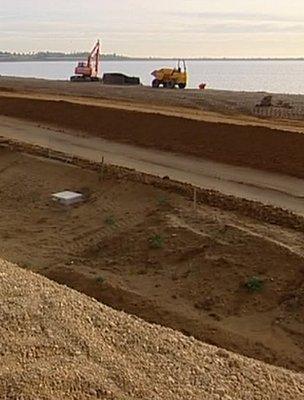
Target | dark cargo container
(119,79)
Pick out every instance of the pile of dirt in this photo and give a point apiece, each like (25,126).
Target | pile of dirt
(252,146)
(59,344)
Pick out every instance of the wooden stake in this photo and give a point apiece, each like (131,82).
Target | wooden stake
(194,199)
(101,169)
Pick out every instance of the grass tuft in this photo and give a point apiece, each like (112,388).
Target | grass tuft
(254,284)
(157,242)
(110,220)
(100,279)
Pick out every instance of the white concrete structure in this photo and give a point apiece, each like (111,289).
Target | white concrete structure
(67,198)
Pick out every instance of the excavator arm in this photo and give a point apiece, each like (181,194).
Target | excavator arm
(88,71)
(93,59)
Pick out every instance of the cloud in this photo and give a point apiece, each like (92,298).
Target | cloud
(139,27)
(238,16)
(241,28)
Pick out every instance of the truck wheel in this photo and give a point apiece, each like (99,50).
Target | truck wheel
(170,85)
(155,83)
(182,85)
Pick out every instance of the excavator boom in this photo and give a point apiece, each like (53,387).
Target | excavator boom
(93,59)
(88,71)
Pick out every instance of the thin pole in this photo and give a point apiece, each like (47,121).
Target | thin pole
(195,199)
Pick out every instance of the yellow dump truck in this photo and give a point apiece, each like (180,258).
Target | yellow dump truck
(171,77)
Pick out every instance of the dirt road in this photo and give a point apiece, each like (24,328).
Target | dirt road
(269,188)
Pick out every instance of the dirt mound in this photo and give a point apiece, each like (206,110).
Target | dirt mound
(252,146)
(56,343)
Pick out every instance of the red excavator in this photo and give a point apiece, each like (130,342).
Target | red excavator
(88,71)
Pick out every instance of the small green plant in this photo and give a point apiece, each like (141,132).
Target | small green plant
(110,220)
(157,242)
(254,284)
(100,279)
(162,201)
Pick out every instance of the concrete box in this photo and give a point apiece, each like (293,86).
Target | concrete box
(67,198)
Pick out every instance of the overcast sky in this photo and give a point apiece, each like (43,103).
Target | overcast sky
(186,28)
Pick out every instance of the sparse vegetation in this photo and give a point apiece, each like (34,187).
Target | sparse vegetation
(157,242)
(163,201)
(120,244)
(110,220)
(100,279)
(254,284)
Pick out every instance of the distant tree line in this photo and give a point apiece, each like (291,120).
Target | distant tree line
(54,56)
(57,56)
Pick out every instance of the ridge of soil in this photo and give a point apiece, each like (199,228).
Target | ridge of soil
(248,208)
(246,145)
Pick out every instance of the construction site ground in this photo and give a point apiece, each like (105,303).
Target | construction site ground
(209,105)
(145,250)
(235,139)
(279,190)
(137,243)
(59,344)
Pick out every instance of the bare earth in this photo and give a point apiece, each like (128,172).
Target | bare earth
(57,344)
(193,281)
(216,105)
(268,188)
(252,146)
(137,244)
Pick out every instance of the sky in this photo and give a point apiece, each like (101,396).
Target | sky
(169,28)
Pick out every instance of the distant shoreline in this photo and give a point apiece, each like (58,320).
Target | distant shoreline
(28,58)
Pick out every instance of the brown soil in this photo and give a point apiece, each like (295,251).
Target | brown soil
(252,146)
(207,103)
(58,344)
(143,250)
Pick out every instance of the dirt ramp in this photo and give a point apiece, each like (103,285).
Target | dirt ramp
(251,146)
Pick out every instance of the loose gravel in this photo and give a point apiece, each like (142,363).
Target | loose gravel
(59,344)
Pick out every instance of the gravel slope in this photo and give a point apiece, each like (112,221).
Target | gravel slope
(58,344)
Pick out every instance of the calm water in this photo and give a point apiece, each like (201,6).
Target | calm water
(273,76)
